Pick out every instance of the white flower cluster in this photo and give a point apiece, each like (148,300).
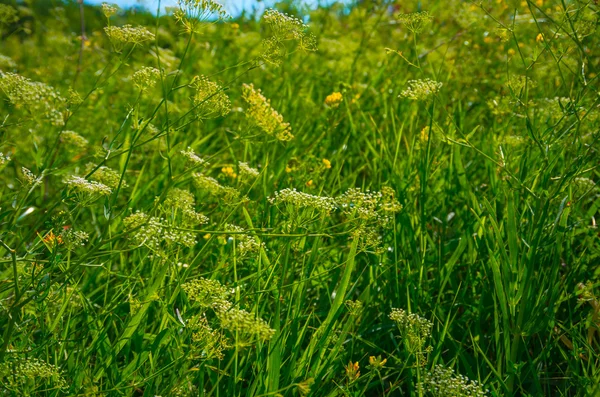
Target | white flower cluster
(303,200)
(192,158)
(90,188)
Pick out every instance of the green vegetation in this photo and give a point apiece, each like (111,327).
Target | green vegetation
(399,199)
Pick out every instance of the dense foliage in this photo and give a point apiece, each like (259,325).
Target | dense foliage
(371,199)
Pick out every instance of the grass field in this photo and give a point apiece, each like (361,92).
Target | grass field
(371,199)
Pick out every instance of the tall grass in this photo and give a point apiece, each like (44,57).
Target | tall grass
(398,199)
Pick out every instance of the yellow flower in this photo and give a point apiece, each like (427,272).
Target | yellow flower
(309,183)
(511,51)
(235,26)
(333,100)
(352,371)
(376,362)
(326,163)
(539,38)
(228,171)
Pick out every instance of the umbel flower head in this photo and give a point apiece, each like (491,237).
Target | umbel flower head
(209,99)
(214,188)
(127,34)
(192,158)
(145,78)
(20,375)
(109,9)
(192,13)
(414,329)
(298,199)
(419,90)
(416,21)
(37,98)
(105,175)
(264,116)
(284,28)
(85,189)
(442,382)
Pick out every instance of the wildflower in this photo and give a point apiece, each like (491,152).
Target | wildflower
(264,116)
(333,100)
(213,187)
(184,202)
(229,172)
(376,362)
(16,374)
(145,78)
(30,179)
(208,342)
(377,207)
(326,163)
(205,292)
(3,160)
(421,89)
(352,371)
(247,244)
(152,232)
(416,21)
(415,331)
(89,188)
(127,34)
(309,183)
(247,172)
(192,158)
(442,381)
(51,239)
(284,28)
(106,176)
(73,238)
(539,38)
(245,323)
(191,13)
(210,100)
(354,307)
(303,200)
(109,9)
(38,98)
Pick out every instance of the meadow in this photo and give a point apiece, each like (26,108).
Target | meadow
(378,198)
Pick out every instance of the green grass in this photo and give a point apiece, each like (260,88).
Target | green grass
(494,253)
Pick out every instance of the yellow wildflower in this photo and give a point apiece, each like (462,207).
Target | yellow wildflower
(229,172)
(376,362)
(326,163)
(333,100)
(352,371)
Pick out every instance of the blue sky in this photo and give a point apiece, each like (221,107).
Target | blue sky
(233,6)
